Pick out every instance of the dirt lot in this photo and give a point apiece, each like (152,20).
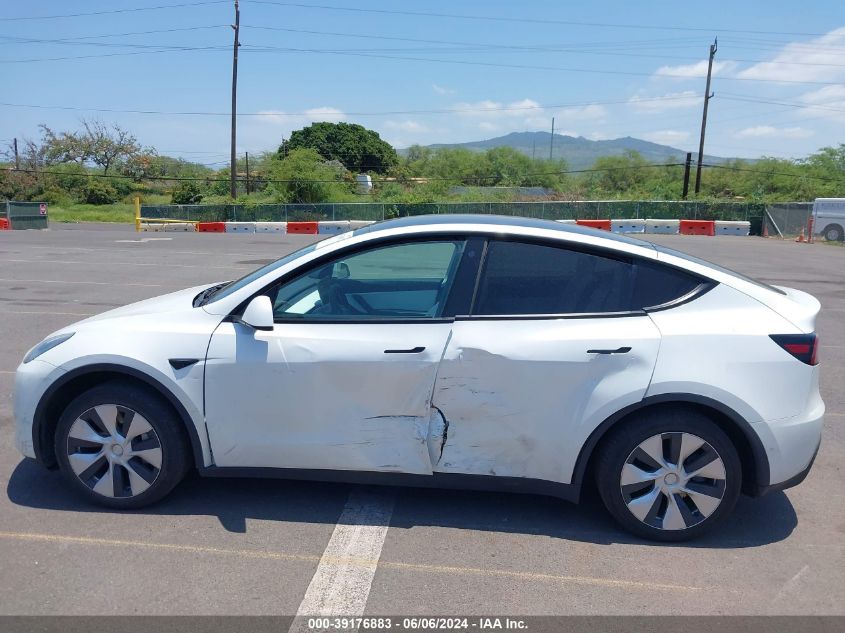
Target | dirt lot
(253,547)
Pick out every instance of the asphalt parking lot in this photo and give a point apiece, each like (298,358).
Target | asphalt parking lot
(235,546)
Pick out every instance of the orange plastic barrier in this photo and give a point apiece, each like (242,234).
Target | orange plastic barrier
(211,227)
(303,228)
(698,227)
(4,224)
(604,225)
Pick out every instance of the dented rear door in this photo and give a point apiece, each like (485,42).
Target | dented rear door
(549,350)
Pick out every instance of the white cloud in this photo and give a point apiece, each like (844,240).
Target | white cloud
(496,110)
(325,114)
(826,102)
(668,101)
(820,59)
(297,119)
(667,137)
(763,131)
(694,71)
(441,90)
(487,126)
(406,126)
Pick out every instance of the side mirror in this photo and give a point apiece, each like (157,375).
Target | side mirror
(258,314)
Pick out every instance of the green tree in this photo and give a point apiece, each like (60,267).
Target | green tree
(356,147)
(303,176)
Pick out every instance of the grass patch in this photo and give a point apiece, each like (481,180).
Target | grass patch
(118,212)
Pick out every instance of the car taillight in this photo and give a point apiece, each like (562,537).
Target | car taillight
(804,347)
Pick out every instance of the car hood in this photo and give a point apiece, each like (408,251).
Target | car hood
(175,301)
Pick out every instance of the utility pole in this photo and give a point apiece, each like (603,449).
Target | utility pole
(233,189)
(17,158)
(247,173)
(707,96)
(534,147)
(686,174)
(552,140)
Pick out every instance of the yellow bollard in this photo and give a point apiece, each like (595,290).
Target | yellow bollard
(137,214)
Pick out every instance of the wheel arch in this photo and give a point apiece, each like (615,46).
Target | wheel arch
(755,462)
(56,398)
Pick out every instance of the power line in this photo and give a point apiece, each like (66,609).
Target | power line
(111,11)
(652,27)
(774,173)
(527,67)
(144,52)
(779,103)
(461,110)
(482,47)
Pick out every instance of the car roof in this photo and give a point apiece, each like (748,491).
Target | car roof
(489,221)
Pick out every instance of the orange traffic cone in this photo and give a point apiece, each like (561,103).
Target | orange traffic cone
(800,238)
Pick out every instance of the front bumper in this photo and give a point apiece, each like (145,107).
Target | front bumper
(31,381)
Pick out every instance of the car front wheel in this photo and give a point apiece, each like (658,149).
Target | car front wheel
(669,475)
(121,445)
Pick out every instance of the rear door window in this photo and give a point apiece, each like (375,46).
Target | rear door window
(522,278)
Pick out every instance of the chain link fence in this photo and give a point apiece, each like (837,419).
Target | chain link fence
(590,210)
(787,219)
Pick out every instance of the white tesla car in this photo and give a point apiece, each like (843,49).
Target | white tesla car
(461,351)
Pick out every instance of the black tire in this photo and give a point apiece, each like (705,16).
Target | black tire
(175,455)
(620,445)
(833,233)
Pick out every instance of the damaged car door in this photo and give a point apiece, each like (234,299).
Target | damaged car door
(550,348)
(343,381)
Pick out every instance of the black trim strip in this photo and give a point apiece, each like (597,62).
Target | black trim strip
(458,481)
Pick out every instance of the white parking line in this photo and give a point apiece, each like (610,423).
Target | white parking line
(92,283)
(339,588)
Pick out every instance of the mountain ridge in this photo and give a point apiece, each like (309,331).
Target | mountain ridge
(578,152)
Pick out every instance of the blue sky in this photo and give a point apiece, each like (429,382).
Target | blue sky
(602,69)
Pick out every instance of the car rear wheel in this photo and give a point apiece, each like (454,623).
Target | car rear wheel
(121,446)
(833,233)
(669,475)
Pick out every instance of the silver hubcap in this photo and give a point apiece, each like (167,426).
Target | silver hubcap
(114,451)
(673,481)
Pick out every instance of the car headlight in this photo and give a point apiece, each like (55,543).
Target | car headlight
(46,345)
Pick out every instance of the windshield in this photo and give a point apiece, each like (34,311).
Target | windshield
(244,281)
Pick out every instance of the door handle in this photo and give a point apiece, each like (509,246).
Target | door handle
(619,350)
(413,350)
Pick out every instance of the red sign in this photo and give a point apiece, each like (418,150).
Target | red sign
(42,209)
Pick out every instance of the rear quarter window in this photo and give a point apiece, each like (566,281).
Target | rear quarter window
(657,284)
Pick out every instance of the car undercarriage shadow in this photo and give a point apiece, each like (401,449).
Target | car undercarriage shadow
(755,522)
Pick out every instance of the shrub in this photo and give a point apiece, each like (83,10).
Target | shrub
(100,192)
(187,192)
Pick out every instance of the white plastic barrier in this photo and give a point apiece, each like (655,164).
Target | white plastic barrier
(727,227)
(271,227)
(156,227)
(628,226)
(325,228)
(240,227)
(566,221)
(666,227)
(357,224)
(181,227)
